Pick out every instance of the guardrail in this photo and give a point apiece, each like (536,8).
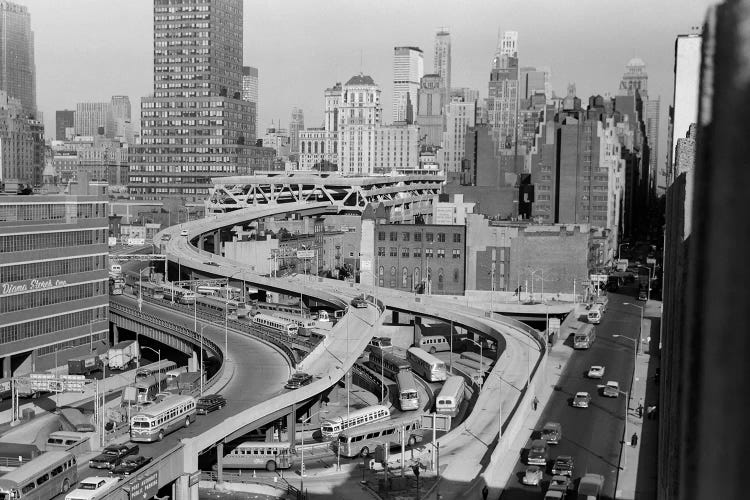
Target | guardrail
(239,477)
(368,379)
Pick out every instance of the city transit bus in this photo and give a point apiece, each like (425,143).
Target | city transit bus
(42,478)
(426,365)
(158,420)
(331,427)
(408,396)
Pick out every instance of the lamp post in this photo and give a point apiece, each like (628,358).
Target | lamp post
(302,447)
(630,392)
(201,359)
(481,358)
(640,325)
(500,409)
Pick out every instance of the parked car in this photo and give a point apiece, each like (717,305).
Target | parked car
(590,486)
(596,371)
(93,488)
(359,302)
(538,453)
(130,465)
(209,403)
(533,475)
(552,432)
(298,379)
(581,400)
(611,390)
(558,488)
(563,466)
(112,455)
(184,232)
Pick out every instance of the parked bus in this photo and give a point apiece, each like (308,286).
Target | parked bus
(276,324)
(76,420)
(434,343)
(162,366)
(42,478)
(147,388)
(453,392)
(362,440)
(408,396)
(149,289)
(426,365)
(158,420)
(331,427)
(594,315)
(388,363)
(260,455)
(218,305)
(304,325)
(584,336)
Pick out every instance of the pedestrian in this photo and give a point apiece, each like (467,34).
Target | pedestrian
(534,403)
(634,440)
(640,411)
(485,492)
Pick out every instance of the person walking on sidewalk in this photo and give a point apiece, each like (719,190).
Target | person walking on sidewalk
(634,440)
(534,403)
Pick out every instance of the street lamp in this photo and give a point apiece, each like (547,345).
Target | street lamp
(640,326)
(630,393)
(302,467)
(481,358)
(156,351)
(500,409)
(140,289)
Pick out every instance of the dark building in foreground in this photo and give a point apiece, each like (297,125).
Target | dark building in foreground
(53,279)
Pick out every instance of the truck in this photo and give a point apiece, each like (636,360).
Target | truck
(121,355)
(84,365)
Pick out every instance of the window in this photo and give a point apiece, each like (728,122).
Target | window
(381,251)
(394,236)
(417,253)
(456,253)
(441,237)
(405,252)
(417,236)
(428,253)
(393,277)
(405,236)
(404,277)
(381,235)
(441,253)
(456,237)
(430,237)
(394,252)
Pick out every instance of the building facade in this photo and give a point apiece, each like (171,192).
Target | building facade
(121,122)
(502,101)
(296,124)
(431,100)
(208,127)
(459,116)
(21,143)
(64,120)
(17,67)
(54,295)
(408,70)
(94,118)
(251,94)
(442,60)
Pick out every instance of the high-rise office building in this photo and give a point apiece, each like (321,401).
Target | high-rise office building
(432,96)
(18,143)
(198,77)
(459,115)
(296,124)
(64,119)
(502,103)
(408,69)
(93,118)
(442,61)
(120,118)
(360,113)
(17,68)
(251,94)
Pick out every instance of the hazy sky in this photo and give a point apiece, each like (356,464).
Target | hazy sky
(89,50)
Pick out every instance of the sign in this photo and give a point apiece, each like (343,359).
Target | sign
(145,487)
(554,325)
(599,277)
(28,285)
(651,261)
(305,254)
(195,478)
(442,422)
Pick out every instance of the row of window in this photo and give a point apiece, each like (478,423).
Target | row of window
(30,329)
(45,297)
(415,276)
(26,242)
(48,268)
(417,252)
(51,211)
(429,237)
(29,487)
(71,344)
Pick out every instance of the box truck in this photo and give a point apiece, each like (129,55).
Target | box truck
(123,354)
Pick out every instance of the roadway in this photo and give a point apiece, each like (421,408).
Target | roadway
(592,436)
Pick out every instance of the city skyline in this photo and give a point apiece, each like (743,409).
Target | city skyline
(594,63)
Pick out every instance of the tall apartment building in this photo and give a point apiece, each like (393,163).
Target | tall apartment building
(432,99)
(251,93)
(408,69)
(17,67)
(53,267)
(296,124)
(442,60)
(64,119)
(198,77)
(687,70)
(502,103)
(459,115)
(93,118)
(20,139)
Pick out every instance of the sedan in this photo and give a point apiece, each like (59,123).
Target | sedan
(533,475)
(611,390)
(209,403)
(298,379)
(563,466)
(128,466)
(581,400)
(359,303)
(111,456)
(596,371)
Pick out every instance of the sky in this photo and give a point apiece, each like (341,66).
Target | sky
(89,50)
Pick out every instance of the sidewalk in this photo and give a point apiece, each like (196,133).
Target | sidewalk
(637,472)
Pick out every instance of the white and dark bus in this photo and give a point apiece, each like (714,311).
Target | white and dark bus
(279,325)
(362,440)
(389,364)
(408,396)
(453,392)
(158,420)
(331,427)
(260,455)
(426,365)
(42,478)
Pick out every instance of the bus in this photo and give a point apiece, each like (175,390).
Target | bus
(76,420)
(260,455)
(116,285)
(149,289)
(595,313)
(387,363)
(273,307)
(158,420)
(173,375)
(304,325)
(277,324)
(584,336)
(218,305)
(426,365)
(434,343)
(408,396)
(448,401)
(331,427)
(361,440)
(147,388)
(42,478)
(161,366)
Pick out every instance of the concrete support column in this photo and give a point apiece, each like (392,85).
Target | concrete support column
(220,462)
(115,333)
(201,241)
(291,424)
(7,367)
(183,490)
(395,317)
(217,242)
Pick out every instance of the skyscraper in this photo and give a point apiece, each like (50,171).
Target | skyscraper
(430,117)
(442,61)
(408,69)
(250,94)
(64,119)
(296,124)
(502,103)
(198,77)
(91,118)
(120,118)
(17,68)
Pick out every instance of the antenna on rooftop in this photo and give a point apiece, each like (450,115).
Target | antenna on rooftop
(361,58)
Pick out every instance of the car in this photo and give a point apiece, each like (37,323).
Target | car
(211,263)
(111,456)
(642,295)
(563,466)
(359,302)
(184,232)
(581,400)
(209,403)
(561,483)
(298,379)
(552,432)
(533,475)
(596,371)
(130,465)
(93,488)
(611,390)
(590,486)
(538,453)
